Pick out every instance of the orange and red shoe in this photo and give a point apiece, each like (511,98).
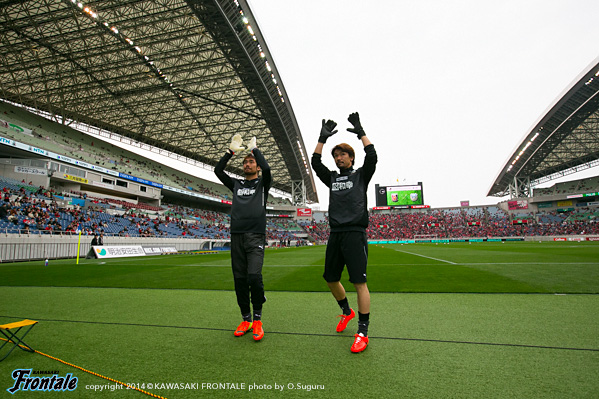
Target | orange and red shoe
(344,320)
(244,327)
(360,343)
(258,331)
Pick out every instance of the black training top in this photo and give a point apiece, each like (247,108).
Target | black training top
(248,213)
(348,209)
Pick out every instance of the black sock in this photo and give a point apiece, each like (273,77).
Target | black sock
(247,317)
(257,314)
(363,322)
(344,305)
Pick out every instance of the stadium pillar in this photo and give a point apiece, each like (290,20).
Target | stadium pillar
(520,187)
(298,192)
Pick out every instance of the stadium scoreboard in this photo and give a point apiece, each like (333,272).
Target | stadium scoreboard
(403,196)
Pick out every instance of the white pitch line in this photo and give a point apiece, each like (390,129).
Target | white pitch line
(265,265)
(428,257)
(421,264)
(530,263)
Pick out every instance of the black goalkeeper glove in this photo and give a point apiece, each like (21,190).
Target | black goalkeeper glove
(327,130)
(354,119)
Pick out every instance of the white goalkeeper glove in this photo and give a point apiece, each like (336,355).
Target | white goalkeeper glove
(252,143)
(236,144)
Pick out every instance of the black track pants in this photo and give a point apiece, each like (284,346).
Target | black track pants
(247,258)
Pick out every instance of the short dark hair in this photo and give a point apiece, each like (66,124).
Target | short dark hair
(345,148)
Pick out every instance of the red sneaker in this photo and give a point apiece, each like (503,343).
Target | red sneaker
(244,327)
(360,343)
(258,331)
(344,320)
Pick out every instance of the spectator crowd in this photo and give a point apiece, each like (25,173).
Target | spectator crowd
(26,209)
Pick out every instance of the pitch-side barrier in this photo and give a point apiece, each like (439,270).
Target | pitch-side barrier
(23,247)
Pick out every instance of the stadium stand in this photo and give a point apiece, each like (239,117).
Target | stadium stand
(57,138)
(54,137)
(571,187)
(317,230)
(481,222)
(27,209)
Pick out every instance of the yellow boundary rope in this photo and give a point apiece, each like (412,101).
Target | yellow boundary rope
(93,373)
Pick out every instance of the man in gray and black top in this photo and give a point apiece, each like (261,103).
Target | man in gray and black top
(248,231)
(348,218)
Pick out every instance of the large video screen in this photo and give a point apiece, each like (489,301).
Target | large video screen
(401,196)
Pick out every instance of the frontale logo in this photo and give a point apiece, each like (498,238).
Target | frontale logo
(23,382)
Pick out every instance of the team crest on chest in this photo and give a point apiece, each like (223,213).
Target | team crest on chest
(340,186)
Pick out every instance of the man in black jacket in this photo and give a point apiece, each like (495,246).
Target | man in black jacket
(248,231)
(348,218)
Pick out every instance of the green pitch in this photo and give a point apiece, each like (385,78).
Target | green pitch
(515,267)
(440,327)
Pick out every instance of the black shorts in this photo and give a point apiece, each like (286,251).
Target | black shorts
(346,248)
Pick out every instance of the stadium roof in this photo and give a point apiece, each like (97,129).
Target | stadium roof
(564,140)
(183,76)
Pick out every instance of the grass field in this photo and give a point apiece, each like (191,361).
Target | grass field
(518,320)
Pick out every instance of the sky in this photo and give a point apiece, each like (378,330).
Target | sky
(446,90)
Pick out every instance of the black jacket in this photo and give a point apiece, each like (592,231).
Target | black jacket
(248,213)
(348,208)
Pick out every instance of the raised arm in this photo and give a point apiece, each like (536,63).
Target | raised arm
(371,158)
(323,173)
(263,164)
(235,146)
